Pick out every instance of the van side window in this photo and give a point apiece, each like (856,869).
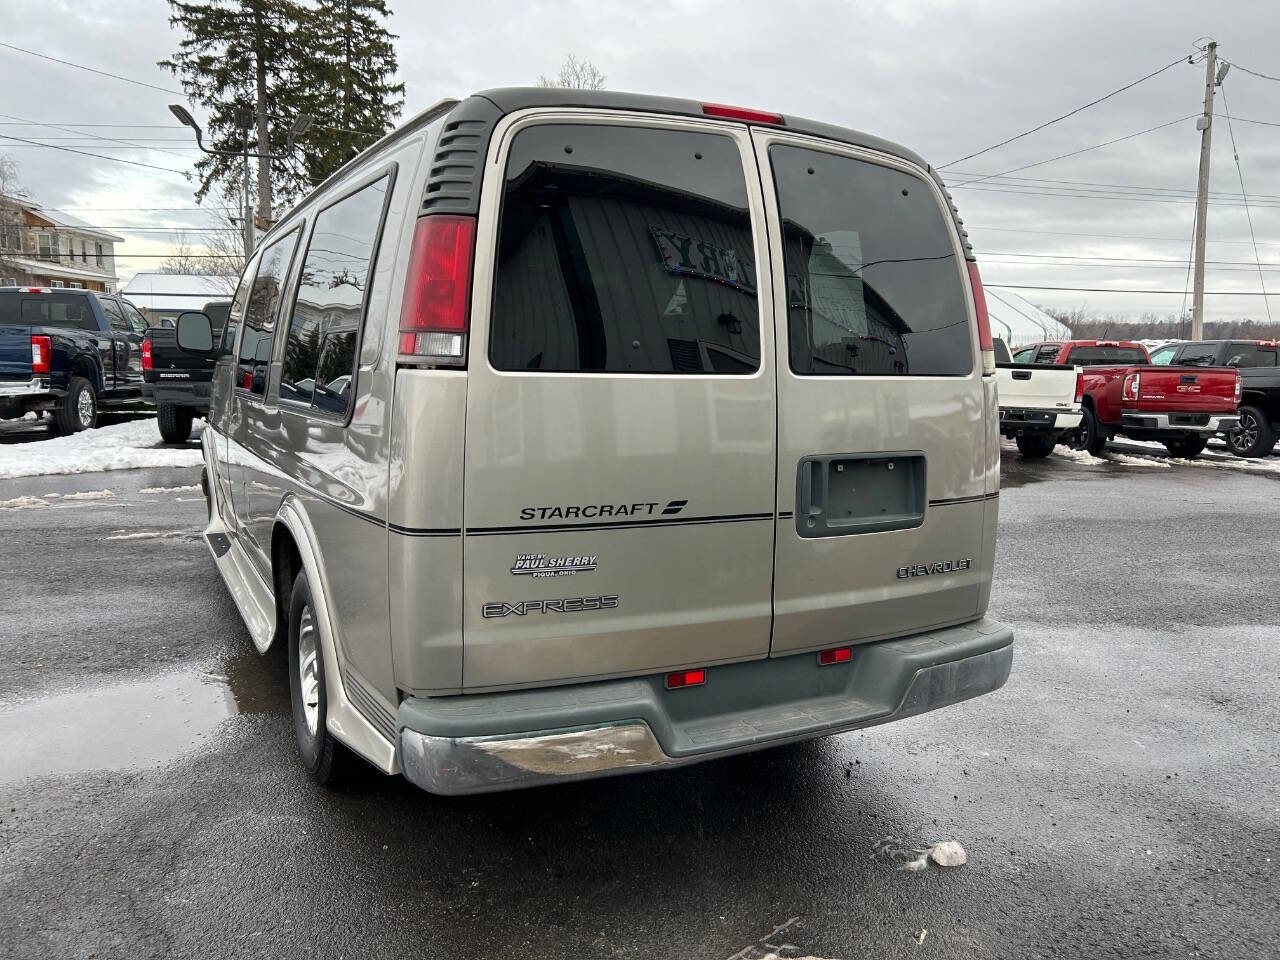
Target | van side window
(873,283)
(260,315)
(320,350)
(235,315)
(625,250)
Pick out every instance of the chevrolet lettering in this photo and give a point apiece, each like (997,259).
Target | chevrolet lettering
(703,343)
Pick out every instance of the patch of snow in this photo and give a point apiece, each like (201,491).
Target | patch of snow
(122,446)
(188,488)
(1079,456)
(22,503)
(1139,461)
(150,535)
(947,853)
(89,495)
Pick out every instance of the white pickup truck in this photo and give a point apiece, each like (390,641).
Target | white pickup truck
(1039,402)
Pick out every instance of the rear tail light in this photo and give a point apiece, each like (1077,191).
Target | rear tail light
(435,315)
(1239,393)
(686,678)
(1079,385)
(838,655)
(146,353)
(41,354)
(985,342)
(1132,385)
(742,113)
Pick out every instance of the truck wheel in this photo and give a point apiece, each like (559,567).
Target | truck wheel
(322,756)
(1033,446)
(1188,448)
(1089,437)
(1254,438)
(78,410)
(175,423)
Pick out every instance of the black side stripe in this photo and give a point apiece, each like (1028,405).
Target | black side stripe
(617,524)
(424,531)
(950,500)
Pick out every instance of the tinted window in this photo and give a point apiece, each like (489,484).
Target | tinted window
(235,315)
(1098,356)
(1199,354)
(320,352)
(59,310)
(260,314)
(136,319)
(1024,356)
(625,250)
(873,281)
(115,315)
(1002,351)
(1250,355)
(1164,354)
(1048,354)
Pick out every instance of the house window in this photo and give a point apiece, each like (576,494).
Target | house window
(58,284)
(48,248)
(76,286)
(10,236)
(98,254)
(11,282)
(84,251)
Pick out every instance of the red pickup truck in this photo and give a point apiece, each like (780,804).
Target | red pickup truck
(1179,406)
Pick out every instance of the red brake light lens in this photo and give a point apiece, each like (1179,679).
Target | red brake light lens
(1079,385)
(838,655)
(1239,389)
(146,353)
(686,678)
(435,315)
(742,113)
(1132,386)
(985,343)
(41,354)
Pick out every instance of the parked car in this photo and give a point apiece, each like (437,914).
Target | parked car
(68,352)
(1257,363)
(1124,395)
(1039,403)
(660,442)
(1163,354)
(178,382)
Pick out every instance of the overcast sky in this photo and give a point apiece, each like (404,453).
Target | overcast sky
(945,78)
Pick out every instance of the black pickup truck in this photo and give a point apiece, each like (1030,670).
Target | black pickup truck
(1259,364)
(177,382)
(68,352)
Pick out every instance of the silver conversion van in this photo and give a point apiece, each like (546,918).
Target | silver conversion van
(563,434)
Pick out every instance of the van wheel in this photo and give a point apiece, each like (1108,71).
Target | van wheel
(1036,445)
(1089,436)
(1186,447)
(78,410)
(175,423)
(1254,437)
(322,756)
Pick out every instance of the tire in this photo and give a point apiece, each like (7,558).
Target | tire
(1034,446)
(78,410)
(1089,436)
(1255,438)
(322,756)
(1188,448)
(175,423)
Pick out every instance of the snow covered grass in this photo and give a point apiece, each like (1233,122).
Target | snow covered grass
(122,446)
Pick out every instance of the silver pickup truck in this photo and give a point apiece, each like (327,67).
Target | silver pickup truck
(1039,403)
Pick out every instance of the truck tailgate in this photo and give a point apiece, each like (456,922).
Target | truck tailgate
(15,353)
(1036,386)
(1185,390)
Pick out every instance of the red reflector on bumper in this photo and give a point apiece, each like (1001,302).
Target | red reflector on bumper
(686,678)
(838,655)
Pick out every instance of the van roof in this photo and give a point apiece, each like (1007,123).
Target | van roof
(454,182)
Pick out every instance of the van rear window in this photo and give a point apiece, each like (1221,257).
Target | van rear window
(873,279)
(625,250)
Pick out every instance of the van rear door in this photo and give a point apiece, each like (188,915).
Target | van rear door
(883,469)
(619,463)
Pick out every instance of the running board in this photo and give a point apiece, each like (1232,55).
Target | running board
(254,601)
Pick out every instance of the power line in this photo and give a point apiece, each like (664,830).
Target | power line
(1032,191)
(1248,216)
(1209,293)
(91,136)
(1144,188)
(101,73)
(96,156)
(1091,103)
(1263,76)
(1073,153)
(1100,236)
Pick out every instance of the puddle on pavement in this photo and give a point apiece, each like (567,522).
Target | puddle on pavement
(135,724)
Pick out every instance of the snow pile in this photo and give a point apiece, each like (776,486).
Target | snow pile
(123,446)
(947,853)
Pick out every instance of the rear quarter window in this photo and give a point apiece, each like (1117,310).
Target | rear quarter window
(624,250)
(57,310)
(874,282)
(1100,356)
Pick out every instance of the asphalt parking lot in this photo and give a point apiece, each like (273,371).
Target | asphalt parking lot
(1118,798)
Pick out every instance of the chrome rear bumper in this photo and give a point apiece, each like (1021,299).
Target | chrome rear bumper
(1215,423)
(505,761)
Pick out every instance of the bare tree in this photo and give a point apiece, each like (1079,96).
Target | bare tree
(218,252)
(575,74)
(11,193)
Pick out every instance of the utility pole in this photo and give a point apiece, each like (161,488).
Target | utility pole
(1205,126)
(245,121)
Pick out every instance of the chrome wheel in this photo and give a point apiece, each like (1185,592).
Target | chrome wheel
(1245,436)
(84,409)
(308,669)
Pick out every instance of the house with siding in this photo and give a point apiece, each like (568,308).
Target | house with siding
(44,247)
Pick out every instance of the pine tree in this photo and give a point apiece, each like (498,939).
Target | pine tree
(244,55)
(352,92)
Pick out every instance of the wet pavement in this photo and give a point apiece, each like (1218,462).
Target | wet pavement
(1118,798)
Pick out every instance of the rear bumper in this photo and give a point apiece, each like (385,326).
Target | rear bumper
(478,743)
(1015,421)
(184,393)
(1207,424)
(36,386)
